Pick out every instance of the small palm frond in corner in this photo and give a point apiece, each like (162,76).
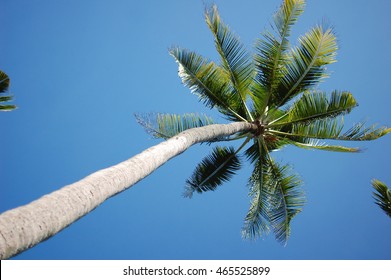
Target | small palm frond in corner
(382,196)
(4,99)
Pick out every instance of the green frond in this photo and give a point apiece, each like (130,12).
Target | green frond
(213,170)
(5,98)
(7,107)
(269,60)
(287,199)
(210,82)
(318,105)
(271,51)
(235,59)
(382,196)
(359,132)
(332,129)
(168,125)
(277,198)
(4,86)
(287,16)
(256,222)
(314,144)
(4,82)
(306,66)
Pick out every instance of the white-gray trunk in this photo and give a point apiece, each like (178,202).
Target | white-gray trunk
(25,226)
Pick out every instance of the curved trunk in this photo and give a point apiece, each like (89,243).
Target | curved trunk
(25,226)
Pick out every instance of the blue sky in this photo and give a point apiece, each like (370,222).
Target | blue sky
(80,69)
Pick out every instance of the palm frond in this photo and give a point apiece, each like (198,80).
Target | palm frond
(4,86)
(4,82)
(210,82)
(277,198)
(7,107)
(332,129)
(317,105)
(271,51)
(5,98)
(213,170)
(306,66)
(287,16)
(235,59)
(382,196)
(256,222)
(315,144)
(168,125)
(359,132)
(287,199)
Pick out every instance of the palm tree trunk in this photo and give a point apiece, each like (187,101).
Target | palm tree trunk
(25,226)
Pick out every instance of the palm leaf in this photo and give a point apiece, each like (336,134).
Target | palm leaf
(210,82)
(359,132)
(7,107)
(314,144)
(168,125)
(213,170)
(332,129)
(287,16)
(277,198)
(4,86)
(382,196)
(5,98)
(4,82)
(317,105)
(256,222)
(235,59)
(287,199)
(271,51)
(306,66)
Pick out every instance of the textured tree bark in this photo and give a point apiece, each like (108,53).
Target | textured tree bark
(25,226)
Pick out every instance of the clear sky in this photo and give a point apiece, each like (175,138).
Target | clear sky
(80,69)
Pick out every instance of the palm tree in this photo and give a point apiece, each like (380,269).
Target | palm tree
(275,89)
(382,195)
(4,85)
(269,101)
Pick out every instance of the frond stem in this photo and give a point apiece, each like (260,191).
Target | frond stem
(276,120)
(306,136)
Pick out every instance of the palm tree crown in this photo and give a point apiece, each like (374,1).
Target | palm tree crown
(274,89)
